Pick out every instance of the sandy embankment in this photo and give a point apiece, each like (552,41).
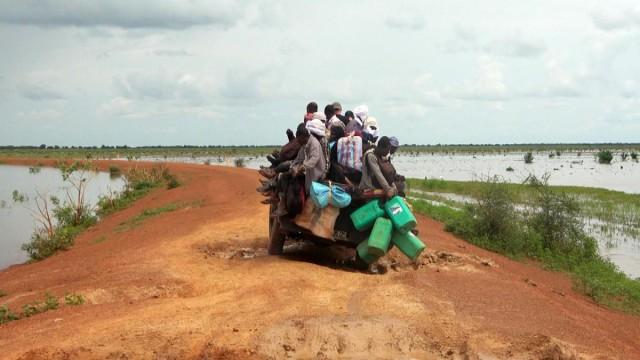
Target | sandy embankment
(178,286)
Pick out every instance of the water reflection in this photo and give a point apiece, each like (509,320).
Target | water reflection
(16,221)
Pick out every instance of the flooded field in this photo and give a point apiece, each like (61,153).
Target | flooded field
(571,168)
(16,220)
(617,230)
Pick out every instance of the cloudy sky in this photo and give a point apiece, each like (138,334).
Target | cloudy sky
(144,72)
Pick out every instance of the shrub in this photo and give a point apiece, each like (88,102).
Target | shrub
(29,310)
(41,245)
(239,162)
(604,157)
(510,169)
(634,156)
(7,315)
(3,293)
(528,158)
(19,197)
(555,216)
(114,171)
(73,299)
(51,302)
(548,229)
(173,183)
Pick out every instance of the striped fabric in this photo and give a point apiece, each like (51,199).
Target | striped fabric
(350,152)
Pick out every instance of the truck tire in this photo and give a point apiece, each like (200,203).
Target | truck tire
(276,237)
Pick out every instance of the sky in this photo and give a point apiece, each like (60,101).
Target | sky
(144,72)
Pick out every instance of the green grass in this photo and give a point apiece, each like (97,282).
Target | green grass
(6,315)
(73,299)
(50,302)
(555,240)
(618,209)
(147,214)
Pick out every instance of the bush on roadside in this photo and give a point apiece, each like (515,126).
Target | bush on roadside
(555,216)
(73,299)
(138,182)
(7,315)
(548,229)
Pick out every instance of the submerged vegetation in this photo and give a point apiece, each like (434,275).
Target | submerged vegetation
(528,158)
(534,221)
(604,157)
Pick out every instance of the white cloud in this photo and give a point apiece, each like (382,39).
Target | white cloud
(487,85)
(183,88)
(172,14)
(117,106)
(116,60)
(616,19)
(466,40)
(515,46)
(39,92)
(44,114)
(411,22)
(172,52)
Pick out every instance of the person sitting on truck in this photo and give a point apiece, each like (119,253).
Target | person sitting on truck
(285,183)
(332,117)
(337,109)
(370,133)
(372,176)
(315,163)
(389,171)
(336,170)
(312,108)
(361,113)
(287,155)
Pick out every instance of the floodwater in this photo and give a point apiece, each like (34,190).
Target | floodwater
(16,221)
(614,243)
(571,168)
(567,169)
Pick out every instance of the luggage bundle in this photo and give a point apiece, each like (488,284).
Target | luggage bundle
(319,215)
(323,195)
(392,223)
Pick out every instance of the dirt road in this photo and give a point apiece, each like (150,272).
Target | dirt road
(196,283)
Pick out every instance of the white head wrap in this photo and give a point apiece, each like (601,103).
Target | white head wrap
(362,113)
(316,127)
(320,116)
(371,126)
